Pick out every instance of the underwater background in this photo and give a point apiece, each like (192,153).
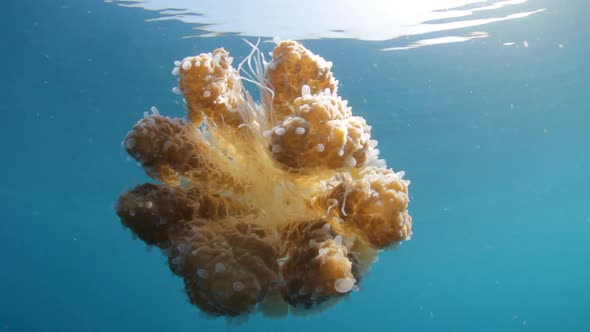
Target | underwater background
(493,132)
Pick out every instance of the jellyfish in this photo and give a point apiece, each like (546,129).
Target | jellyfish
(275,206)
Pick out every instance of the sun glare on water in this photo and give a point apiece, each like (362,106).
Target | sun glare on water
(373,20)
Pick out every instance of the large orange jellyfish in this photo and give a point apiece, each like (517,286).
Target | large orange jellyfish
(279,206)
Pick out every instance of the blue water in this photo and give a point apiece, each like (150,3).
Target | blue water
(495,139)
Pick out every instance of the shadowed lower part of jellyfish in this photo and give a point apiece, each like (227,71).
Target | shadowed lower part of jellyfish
(227,266)
(275,207)
(154,213)
(319,265)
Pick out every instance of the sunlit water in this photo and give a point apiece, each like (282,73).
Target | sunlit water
(483,105)
(307,19)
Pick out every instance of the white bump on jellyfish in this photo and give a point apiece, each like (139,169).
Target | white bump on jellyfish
(140,204)
(219,267)
(329,64)
(313,243)
(197,63)
(176,260)
(238,286)
(146,114)
(155,110)
(230,60)
(167,145)
(271,65)
(305,90)
(223,100)
(280,131)
(304,290)
(206,93)
(344,285)
(373,143)
(149,204)
(217,59)
(184,248)
(187,65)
(202,273)
(338,240)
(277,148)
(400,233)
(129,143)
(365,136)
(176,63)
(151,121)
(299,130)
(327,227)
(175,71)
(327,92)
(340,153)
(350,161)
(132,213)
(323,252)
(305,108)
(401,174)
(379,203)
(176,90)
(267,133)
(320,147)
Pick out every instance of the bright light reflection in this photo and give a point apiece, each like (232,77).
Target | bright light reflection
(375,20)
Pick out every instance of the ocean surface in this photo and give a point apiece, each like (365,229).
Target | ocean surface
(492,129)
